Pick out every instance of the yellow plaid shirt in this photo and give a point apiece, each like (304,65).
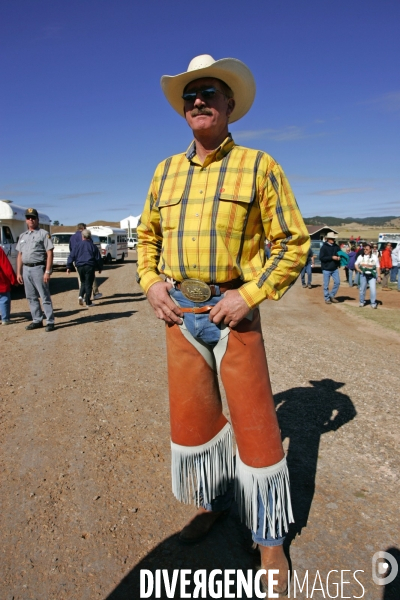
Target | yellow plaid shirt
(209,221)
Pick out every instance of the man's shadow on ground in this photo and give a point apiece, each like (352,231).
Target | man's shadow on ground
(304,413)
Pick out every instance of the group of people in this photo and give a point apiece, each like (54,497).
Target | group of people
(365,267)
(202,265)
(35,266)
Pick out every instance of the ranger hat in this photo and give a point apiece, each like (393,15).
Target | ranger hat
(231,71)
(31,212)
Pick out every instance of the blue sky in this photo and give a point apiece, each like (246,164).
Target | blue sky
(84,121)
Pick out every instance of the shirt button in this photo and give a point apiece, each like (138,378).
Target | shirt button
(194,239)
(196,215)
(194,266)
(201,191)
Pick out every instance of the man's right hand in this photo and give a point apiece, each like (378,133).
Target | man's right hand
(163,306)
(20,279)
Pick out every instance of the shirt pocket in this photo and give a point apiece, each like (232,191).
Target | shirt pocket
(233,209)
(170,211)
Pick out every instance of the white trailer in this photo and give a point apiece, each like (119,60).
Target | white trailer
(113,241)
(12,224)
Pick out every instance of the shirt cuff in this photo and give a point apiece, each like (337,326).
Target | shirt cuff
(253,295)
(149,279)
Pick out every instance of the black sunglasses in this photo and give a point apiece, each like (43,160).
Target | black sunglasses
(34,218)
(205,94)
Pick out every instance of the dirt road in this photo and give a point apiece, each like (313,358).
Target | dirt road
(85,487)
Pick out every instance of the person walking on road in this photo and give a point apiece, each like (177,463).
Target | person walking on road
(369,269)
(330,261)
(386,265)
(73,242)
(307,269)
(7,279)
(395,264)
(202,265)
(396,259)
(351,266)
(87,258)
(34,267)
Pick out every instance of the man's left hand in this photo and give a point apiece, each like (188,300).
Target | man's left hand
(46,277)
(231,309)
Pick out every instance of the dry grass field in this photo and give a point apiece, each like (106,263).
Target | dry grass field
(366,233)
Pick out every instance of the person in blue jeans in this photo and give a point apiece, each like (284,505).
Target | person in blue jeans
(351,266)
(395,265)
(7,279)
(370,273)
(307,269)
(330,262)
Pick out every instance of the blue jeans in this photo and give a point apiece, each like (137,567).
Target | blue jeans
(363,288)
(5,305)
(200,325)
(209,333)
(352,273)
(261,537)
(336,283)
(393,273)
(306,269)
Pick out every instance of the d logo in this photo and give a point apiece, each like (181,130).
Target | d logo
(384,568)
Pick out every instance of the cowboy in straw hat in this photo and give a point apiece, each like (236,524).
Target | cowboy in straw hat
(202,265)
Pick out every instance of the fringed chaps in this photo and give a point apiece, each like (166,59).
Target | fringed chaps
(201,437)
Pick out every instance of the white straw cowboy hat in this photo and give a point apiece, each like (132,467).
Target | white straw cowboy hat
(230,70)
(331,235)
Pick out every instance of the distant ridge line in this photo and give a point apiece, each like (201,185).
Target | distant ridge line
(371,221)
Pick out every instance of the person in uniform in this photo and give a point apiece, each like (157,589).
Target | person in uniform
(202,265)
(34,267)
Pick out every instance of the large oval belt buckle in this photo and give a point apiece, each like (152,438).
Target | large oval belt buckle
(195,290)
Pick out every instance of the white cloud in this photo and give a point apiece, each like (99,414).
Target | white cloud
(8,192)
(79,195)
(388,103)
(289,133)
(341,191)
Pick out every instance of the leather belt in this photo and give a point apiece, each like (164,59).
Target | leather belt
(34,264)
(196,310)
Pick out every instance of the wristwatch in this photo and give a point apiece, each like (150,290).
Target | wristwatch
(48,272)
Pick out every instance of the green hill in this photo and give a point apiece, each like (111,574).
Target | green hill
(332,221)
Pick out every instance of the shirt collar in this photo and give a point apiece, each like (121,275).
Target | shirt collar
(214,156)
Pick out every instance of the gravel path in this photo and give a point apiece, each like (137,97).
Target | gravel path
(85,487)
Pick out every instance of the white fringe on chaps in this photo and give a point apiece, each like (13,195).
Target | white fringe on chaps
(270,485)
(203,471)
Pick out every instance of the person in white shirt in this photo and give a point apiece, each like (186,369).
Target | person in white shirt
(395,264)
(370,272)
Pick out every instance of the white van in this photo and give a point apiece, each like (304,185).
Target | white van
(61,247)
(12,224)
(113,241)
